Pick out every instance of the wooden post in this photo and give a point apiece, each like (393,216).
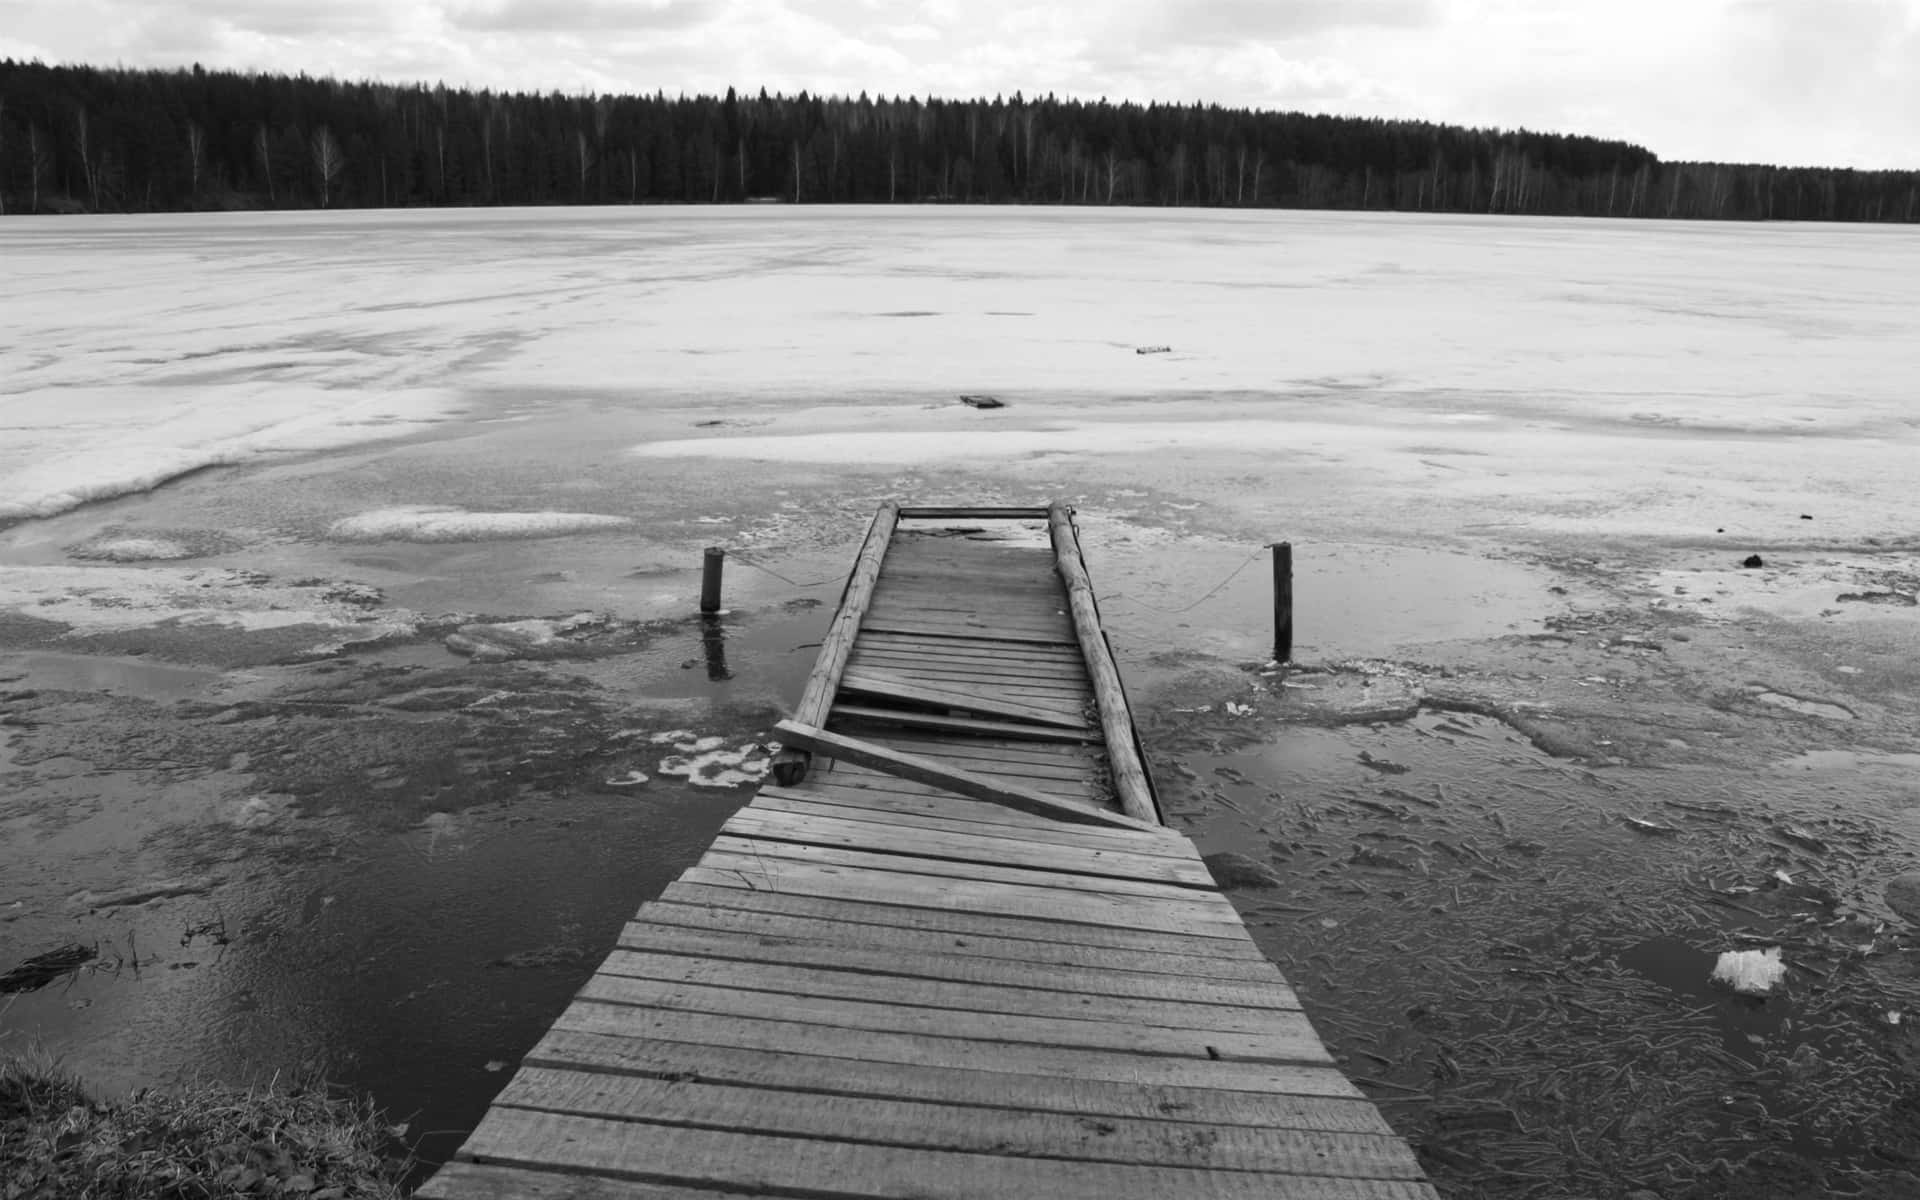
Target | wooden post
(1283,601)
(1116,720)
(790,765)
(710,580)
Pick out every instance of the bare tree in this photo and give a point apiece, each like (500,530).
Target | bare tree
(584,158)
(327,161)
(83,142)
(196,156)
(1113,172)
(263,149)
(39,158)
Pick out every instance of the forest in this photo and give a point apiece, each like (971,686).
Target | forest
(90,139)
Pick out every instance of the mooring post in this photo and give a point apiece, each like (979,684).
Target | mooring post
(710,580)
(1283,602)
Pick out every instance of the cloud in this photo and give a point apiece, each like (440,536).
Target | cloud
(1235,22)
(545,16)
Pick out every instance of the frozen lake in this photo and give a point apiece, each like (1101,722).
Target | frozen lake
(1521,461)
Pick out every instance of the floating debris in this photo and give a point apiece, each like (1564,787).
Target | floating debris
(1753,561)
(1750,972)
(1152,349)
(983,401)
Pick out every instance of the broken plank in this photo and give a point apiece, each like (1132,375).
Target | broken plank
(870,682)
(886,817)
(940,775)
(899,841)
(962,725)
(731,851)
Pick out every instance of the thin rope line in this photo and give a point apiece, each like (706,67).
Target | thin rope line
(1211,592)
(745,560)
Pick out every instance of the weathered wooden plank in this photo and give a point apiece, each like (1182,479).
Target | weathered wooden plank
(963,848)
(936,1126)
(876,792)
(893,686)
(883,818)
(977,645)
(964,594)
(967,783)
(959,895)
(997,1055)
(1006,753)
(770,861)
(1050,929)
(809,982)
(818,1168)
(844,714)
(1116,720)
(936,513)
(1290,1039)
(1060,691)
(920,626)
(1305,1098)
(1046,626)
(1081,794)
(931,959)
(852,781)
(474,1181)
(1016,672)
(1039,774)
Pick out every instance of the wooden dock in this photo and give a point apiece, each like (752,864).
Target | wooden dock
(951,952)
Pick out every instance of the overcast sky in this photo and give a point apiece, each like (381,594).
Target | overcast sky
(1803,82)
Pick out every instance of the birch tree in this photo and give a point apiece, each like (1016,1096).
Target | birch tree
(327,161)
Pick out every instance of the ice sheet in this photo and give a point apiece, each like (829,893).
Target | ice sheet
(440,523)
(68,445)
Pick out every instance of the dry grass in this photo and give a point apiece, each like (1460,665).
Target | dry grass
(202,1142)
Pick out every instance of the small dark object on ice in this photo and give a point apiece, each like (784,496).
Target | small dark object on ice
(1753,560)
(983,401)
(1153,349)
(42,969)
(1385,766)
(1233,871)
(1806,516)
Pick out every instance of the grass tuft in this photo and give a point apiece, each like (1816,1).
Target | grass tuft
(201,1142)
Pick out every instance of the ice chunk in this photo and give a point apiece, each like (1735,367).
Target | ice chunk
(442,523)
(1750,972)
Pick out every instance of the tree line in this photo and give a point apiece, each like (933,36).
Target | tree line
(90,139)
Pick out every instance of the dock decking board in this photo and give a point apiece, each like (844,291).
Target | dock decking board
(953,953)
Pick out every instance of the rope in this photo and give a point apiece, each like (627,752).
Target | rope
(1210,593)
(742,558)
